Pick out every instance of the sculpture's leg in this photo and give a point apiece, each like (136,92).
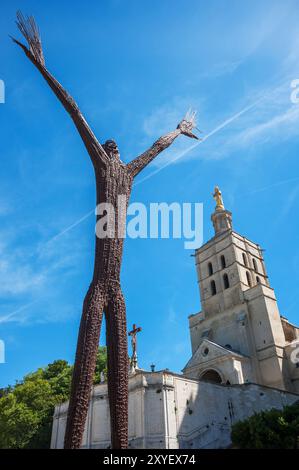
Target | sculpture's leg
(84,368)
(118,363)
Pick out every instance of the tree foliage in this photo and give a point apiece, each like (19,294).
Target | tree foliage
(26,409)
(272,429)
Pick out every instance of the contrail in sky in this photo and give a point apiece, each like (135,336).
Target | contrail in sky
(214,131)
(67,229)
(274,185)
(10,316)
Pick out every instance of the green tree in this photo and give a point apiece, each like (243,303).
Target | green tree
(272,429)
(18,423)
(26,409)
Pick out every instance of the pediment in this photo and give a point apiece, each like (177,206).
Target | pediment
(208,351)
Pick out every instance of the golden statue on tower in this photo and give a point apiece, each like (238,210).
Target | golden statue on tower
(218,198)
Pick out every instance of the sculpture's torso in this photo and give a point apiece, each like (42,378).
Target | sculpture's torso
(113,186)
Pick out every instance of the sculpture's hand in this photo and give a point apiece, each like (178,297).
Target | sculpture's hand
(184,127)
(188,124)
(29,29)
(34,52)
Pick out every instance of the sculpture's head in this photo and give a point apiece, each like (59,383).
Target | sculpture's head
(111,148)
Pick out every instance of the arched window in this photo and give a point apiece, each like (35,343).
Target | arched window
(254,264)
(210,269)
(223,262)
(244,259)
(225,281)
(213,288)
(248,278)
(211,375)
(258,280)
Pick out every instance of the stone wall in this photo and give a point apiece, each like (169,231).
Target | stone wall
(170,411)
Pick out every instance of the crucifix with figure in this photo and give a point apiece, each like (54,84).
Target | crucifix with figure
(114,178)
(133,334)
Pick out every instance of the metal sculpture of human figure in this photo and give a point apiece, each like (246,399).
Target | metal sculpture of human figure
(113,178)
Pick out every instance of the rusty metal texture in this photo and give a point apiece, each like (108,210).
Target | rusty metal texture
(113,178)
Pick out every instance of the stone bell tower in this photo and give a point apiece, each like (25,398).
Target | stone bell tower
(238,336)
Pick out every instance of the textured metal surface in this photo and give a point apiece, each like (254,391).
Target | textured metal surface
(113,178)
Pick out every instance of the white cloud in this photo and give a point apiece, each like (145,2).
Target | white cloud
(34,274)
(17,275)
(222,68)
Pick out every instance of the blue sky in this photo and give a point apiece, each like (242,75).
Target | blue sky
(134,68)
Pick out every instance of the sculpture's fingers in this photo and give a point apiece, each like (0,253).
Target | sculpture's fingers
(19,43)
(30,31)
(191,135)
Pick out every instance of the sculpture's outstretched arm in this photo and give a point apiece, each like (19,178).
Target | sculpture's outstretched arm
(28,28)
(185,127)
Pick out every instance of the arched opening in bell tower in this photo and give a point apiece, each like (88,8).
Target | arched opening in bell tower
(223,261)
(225,281)
(213,287)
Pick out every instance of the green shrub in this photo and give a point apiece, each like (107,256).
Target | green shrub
(272,429)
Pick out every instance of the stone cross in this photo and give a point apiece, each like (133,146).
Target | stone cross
(133,334)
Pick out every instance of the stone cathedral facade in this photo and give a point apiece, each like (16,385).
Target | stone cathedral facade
(245,358)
